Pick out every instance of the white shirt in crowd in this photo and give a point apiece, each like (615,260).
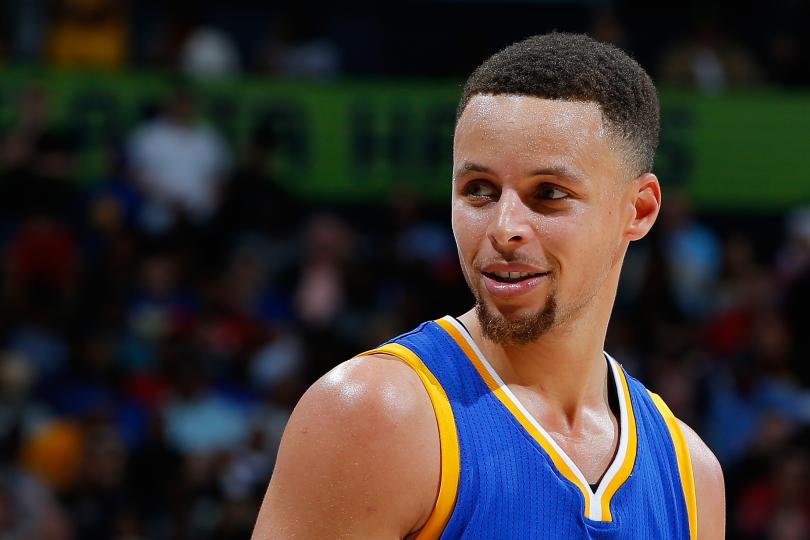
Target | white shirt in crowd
(179,166)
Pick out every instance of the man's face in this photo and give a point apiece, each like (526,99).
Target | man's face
(540,203)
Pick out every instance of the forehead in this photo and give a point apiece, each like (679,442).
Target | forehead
(511,126)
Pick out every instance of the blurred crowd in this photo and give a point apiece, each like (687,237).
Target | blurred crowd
(158,323)
(713,46)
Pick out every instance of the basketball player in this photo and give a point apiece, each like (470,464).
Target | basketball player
(510,421)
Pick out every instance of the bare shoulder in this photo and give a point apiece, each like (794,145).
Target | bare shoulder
(359,435)
(709,486)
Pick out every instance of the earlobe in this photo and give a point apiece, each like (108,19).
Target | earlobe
(646,205)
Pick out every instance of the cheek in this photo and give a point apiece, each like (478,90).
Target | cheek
(469,229)
(578,241)
(559,232)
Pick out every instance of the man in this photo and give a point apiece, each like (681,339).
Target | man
(511,421)
(178,163)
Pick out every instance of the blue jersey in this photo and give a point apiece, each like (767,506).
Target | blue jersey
(503,476)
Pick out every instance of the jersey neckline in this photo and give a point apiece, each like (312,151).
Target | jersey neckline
(596,503)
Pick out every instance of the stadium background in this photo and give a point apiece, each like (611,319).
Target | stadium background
(155,332)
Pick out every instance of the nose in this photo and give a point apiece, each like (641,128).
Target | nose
(511,227)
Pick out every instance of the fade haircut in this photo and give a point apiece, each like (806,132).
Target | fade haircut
(575,67)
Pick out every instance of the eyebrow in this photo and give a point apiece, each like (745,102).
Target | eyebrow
(469,166)
(558,170)
(553,170)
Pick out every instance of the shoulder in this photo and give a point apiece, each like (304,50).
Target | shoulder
(709,486)
(370,398)
(356,437)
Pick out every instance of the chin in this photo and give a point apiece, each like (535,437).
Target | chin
(513,324)
(526,305)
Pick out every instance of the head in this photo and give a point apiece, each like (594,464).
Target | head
(552,157)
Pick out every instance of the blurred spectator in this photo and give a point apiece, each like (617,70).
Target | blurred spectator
(42,254)
(248,467)
(209,53)
(777,505)
(253,200)
(794,269)
(88,34)
(710,61)
(179,163)
(784,58)
(785,42)
(246,292)
(99,499)
(155,458)
(606,26)
(27,22)
(44,184)
(37,164)
(320,292)
(755,390)
(28,510)
(17,145)
(54,453)
(160,304)
(20,414)
(794,257)
(425,259)
(693,255)
(277,362)
(299,49)
(199,421)
(744,290)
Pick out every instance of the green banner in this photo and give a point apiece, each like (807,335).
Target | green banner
(350,141)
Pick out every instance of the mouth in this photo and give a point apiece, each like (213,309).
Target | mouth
(512,277)
(510,285)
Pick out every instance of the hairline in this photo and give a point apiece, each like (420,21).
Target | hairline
(618,142)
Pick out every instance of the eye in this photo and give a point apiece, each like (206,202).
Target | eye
(551,192)
(480,189)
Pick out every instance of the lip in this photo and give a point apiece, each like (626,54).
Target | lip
(510,290)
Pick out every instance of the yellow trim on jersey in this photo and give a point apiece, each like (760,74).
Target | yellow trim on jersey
(630,456)
(684,462)
(448,440)
(558,461)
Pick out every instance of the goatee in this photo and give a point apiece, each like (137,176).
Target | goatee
(518,330)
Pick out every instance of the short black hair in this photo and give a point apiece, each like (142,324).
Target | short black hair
(576,67)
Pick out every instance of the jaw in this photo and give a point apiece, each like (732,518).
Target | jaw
(519,326)
(509,311)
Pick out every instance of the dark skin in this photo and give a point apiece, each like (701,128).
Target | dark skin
(540,185)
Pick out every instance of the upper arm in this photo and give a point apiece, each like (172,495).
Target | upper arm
(709,487)
(359,457)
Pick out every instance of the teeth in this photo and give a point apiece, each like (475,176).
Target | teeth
(513,275)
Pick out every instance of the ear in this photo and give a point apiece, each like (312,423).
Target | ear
(646,202)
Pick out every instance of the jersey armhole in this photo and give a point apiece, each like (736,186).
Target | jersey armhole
(684,461)
(448,440)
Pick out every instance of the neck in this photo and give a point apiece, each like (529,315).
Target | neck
(565,367)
